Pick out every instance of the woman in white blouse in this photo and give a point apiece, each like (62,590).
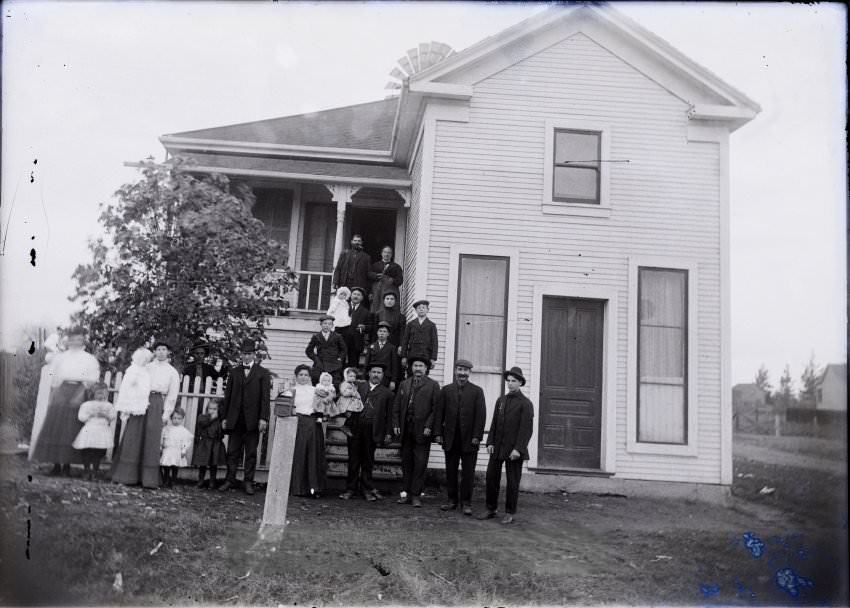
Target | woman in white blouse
(308,461)
(74,370)
(137,459)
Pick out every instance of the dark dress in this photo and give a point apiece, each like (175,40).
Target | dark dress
(308,460)
(209,449)
(137,457)
(61,425)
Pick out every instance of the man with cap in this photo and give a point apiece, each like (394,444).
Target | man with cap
(413,421)
(358,332)
(352,267)
(459,427)
(383,352)
(419,338)
(327,350)
(507,443)
(369,427)
(245,414)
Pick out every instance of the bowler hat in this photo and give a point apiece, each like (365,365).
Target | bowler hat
(516,372)
(326,317)
(360,289)
(247,346)
(385,324)
(463,363)
(200,346)
(418,302)
(383,366)
(412,360)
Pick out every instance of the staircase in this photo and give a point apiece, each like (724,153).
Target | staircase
(387,459)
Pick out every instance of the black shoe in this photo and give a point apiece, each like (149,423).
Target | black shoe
(467,510)
(416,502)
(203,483)
(226,486)
(249,488)
(66,470)
(508,519)
(449,506)
(487,515)
(56,470)
(347,495)
(403,501)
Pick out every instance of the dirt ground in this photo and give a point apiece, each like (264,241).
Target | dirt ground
(66,540)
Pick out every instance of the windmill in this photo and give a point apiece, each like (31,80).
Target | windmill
(417,59)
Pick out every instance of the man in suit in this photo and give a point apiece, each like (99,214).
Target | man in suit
(419,338)
(245,414)
(413,421)
(358,332)
(385,275)
(507,443)
(352,267)
(197,366)
(459,426)
(368,428)
(384,352)
(327,350)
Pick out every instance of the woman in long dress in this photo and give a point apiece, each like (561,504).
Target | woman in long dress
(73,372)
(308,462)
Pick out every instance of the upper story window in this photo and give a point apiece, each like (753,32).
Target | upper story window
(575,174)
(575,171)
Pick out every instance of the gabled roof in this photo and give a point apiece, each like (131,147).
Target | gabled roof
(364,126)
(839,370)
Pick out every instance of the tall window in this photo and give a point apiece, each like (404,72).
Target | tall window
(662,404)
(576,170)
(274,208)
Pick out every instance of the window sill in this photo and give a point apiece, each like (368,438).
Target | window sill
(661,449)
(576,209)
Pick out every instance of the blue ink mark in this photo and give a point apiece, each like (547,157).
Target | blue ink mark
(754,544)
(791,582)
(709,590)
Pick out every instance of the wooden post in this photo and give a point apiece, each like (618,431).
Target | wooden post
(777,423)
(280,467)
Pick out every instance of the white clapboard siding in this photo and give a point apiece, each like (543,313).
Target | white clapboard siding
(412,233)
(286,350)
(488,188)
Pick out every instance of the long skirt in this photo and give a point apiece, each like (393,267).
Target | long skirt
(137,457)
(61,425)
(308,461)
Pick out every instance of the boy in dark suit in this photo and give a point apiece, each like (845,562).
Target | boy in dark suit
(507,443)
(383,352)
(419,339)
(327,351)
(358,331)
(245,414)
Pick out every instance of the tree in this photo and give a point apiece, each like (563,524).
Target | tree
(785,395)
(180,257)
(763,380)
(809,382)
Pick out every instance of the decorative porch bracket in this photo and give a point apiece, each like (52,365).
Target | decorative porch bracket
(341,194)
(404,193)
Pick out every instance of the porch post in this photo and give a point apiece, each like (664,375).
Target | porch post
(341,194)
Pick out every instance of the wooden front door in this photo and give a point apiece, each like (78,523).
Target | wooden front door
(571,384)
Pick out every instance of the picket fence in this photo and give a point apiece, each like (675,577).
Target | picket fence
(194,397)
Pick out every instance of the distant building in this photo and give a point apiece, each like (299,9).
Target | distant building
(748,396)
(832,388)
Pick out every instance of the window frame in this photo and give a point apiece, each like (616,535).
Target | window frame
(567,206)
(595,166)
(691,446)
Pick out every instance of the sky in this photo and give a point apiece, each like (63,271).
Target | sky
(89,86)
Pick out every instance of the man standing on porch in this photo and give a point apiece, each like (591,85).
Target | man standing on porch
(327,351)
(507,442)
(352,267)
(385,275)
(245,414)
(413,420)
(459,427)
(358,332)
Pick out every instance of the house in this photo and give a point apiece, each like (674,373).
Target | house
(832,388)
(560,193)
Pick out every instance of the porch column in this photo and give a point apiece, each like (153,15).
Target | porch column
(341,194)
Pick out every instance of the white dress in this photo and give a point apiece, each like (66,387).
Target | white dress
(176,441)
(97,430)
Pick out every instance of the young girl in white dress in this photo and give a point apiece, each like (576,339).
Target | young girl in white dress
(324,396)
(96,435)
(340,310)
(176,441)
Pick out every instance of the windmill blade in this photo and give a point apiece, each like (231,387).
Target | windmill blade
(413,55)
(405,64)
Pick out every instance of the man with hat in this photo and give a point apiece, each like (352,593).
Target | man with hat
(507,443)
(245,414)
(352,267)
(383,352)
(459,427)
(419,338)
(327,350)
(369,427)
(197,367)
(355,338)
(413,421)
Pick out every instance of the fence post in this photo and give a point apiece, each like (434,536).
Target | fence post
(777,423)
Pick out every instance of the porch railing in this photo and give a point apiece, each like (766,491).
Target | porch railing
(314,291)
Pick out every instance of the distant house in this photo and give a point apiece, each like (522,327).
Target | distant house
(748,396)
(560,193)
(832,388)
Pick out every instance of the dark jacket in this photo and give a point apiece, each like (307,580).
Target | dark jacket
(420,339)
(392,278)
(396,320)
(511,426)
(361,316)
(388,355)
(424,403)
(207,371)
(469,403)
(377,409)
(327,355)
(352,269)
(209,449)
(249,395)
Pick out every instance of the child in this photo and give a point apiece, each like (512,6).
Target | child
(95,437)
(384,352)
(135,390)
(339,310)
(209,449)
(323,399)
(349,400)
(420,337)
(176,441)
